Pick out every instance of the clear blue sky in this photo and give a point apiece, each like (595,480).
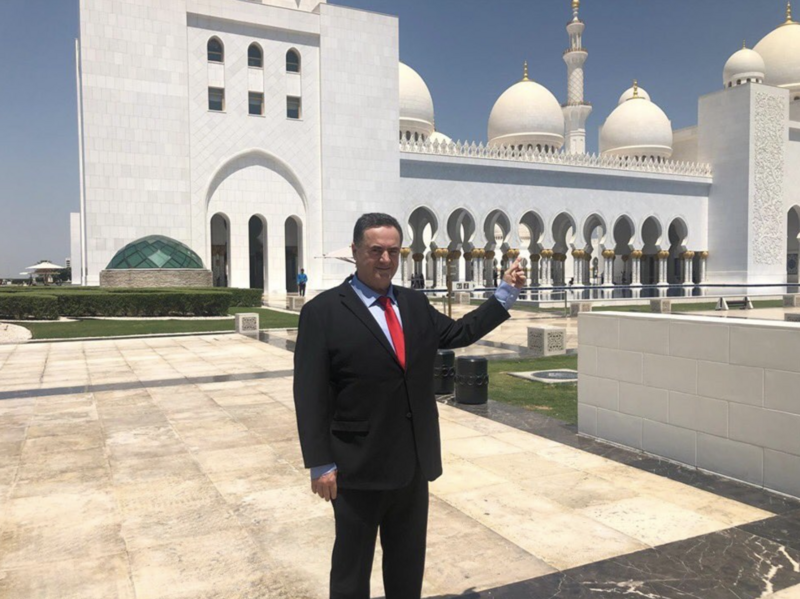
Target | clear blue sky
(468,51)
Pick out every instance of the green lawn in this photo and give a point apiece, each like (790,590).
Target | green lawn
(556,401)
(269,319)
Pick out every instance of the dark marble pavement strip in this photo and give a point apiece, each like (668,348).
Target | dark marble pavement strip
(729,564)
(196,380)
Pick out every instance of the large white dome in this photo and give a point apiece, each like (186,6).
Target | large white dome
(780,50)
(527,114)
(744,66)
(637,128)
(440,137)
(416,105)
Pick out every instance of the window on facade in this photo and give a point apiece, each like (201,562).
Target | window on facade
(292,61)
(293,108)
(255,57)
(216,99)
(216,52)
(256,102)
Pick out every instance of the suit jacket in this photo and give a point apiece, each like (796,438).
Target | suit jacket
(356,406)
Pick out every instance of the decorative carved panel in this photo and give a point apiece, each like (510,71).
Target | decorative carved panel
(769,146)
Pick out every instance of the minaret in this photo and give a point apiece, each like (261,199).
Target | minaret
(576,110)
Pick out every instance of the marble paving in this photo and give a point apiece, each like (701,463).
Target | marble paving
(169,468)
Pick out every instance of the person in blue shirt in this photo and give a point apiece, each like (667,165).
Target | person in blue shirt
(302,279)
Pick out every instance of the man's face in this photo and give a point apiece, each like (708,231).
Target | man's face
(377,257)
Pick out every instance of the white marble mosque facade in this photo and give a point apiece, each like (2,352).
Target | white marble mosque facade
(718,202)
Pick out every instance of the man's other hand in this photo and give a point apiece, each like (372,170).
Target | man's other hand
(515,275)
(325,486)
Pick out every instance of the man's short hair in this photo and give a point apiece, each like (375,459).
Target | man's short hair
(373,220)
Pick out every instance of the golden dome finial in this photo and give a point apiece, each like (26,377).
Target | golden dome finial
(576,5)
(789,12)
(635,88)
(525,71)
(744,44)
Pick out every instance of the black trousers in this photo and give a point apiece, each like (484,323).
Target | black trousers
(401,515)
(302,288)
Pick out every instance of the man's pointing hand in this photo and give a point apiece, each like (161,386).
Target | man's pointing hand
(515,275)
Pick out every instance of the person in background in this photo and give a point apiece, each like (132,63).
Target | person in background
(302,279)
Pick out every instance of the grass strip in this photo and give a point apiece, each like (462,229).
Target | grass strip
(557,401)
(268,319)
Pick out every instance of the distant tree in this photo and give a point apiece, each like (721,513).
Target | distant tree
(63,276)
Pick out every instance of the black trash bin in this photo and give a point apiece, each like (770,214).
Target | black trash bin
(472,380)
(444,372)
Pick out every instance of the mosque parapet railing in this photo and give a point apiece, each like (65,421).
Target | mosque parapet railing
(494,152)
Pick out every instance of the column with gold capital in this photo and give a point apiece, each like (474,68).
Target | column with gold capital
(661,268)
(404,253)
(636,267)
(702,266)
(688,267)
(608,267)
(478,255)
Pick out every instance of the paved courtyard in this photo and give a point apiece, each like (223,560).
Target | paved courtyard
(169,468)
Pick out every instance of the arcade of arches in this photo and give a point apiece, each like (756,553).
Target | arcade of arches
(562,252)
(257,251)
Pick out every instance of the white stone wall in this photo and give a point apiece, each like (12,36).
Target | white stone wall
(684,144)
(244,165)
(743,134)
(75,246)
(135,126)
(719,394)
(360,101)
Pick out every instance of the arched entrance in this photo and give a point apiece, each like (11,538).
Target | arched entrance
(497,228)
(594,235)
(422,226)
(220,249)
(793,245)
(624,230)
(651,238)
(678,232)
(564,240)
(257,235)
(293,236)
(460,230)
(531,231)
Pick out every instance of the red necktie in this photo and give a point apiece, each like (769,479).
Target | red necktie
(395,330)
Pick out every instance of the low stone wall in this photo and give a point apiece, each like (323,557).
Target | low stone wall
(719,394)
(153,277)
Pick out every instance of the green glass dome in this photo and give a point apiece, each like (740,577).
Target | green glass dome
(155,251)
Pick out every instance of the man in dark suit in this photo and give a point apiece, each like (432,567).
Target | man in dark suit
(366,410)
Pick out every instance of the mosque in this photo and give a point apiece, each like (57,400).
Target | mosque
(246,137)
